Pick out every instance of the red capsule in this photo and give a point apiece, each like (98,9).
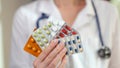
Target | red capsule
(64,31)
(74,33)
(68,28)
(61,35)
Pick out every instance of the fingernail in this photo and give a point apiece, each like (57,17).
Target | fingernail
(65,49)
(56,40)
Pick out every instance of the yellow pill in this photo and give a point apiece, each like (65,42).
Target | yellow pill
(35,35)
(43,36)
(45,27)
(45,40)
(39,31)
(48,32)
(39,39)
(49,24)
(41,44)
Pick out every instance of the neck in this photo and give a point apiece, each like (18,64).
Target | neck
(69,2)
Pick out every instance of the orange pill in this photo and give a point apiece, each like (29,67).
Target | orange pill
(34,49)
(29,46)
(32,40)
(38,51)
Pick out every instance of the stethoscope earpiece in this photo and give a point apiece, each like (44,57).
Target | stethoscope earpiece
(104,52)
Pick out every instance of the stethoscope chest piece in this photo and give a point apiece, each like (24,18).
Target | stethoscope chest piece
(104,52)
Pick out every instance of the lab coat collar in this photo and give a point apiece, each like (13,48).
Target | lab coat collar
(48,6)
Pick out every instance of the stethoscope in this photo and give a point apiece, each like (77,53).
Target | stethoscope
(104,52)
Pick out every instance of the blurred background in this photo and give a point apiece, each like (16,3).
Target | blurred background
(7,10)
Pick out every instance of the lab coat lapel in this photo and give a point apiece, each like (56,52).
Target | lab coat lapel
(85,17)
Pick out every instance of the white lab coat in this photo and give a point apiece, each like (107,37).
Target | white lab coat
(25,22)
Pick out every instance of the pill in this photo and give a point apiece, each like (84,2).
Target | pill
(43,36)
(35,35)
(74,33)
(68,28)
(39,31)
(74,41)
(49,24)
(38,51)
(65,31)
(81,49)
(69,42)
(41,44)
(45,40)
(32,40)
(61,35)
(48,32)
(45,27)
(34,49)
(39,39)
(76,50)
(29,46)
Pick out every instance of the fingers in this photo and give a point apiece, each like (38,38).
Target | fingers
(63,63)
(44,54)
(53,54)
(58,58)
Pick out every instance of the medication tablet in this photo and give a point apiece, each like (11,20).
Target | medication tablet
(54,29)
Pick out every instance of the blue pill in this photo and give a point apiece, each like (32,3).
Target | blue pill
(79,46)
(69,42)
(76,50)
(74,41)
(71,48)
(78,37)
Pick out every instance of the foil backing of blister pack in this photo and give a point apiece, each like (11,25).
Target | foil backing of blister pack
(54,29)
(60,30)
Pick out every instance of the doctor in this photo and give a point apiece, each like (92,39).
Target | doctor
(80,15)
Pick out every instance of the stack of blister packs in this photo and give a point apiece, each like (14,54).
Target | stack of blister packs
(54,29)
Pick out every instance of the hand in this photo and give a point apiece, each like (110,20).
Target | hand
(51,56)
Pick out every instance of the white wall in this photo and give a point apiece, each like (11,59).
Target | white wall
(8,9)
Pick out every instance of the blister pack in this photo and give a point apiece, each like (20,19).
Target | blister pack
(54,29)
